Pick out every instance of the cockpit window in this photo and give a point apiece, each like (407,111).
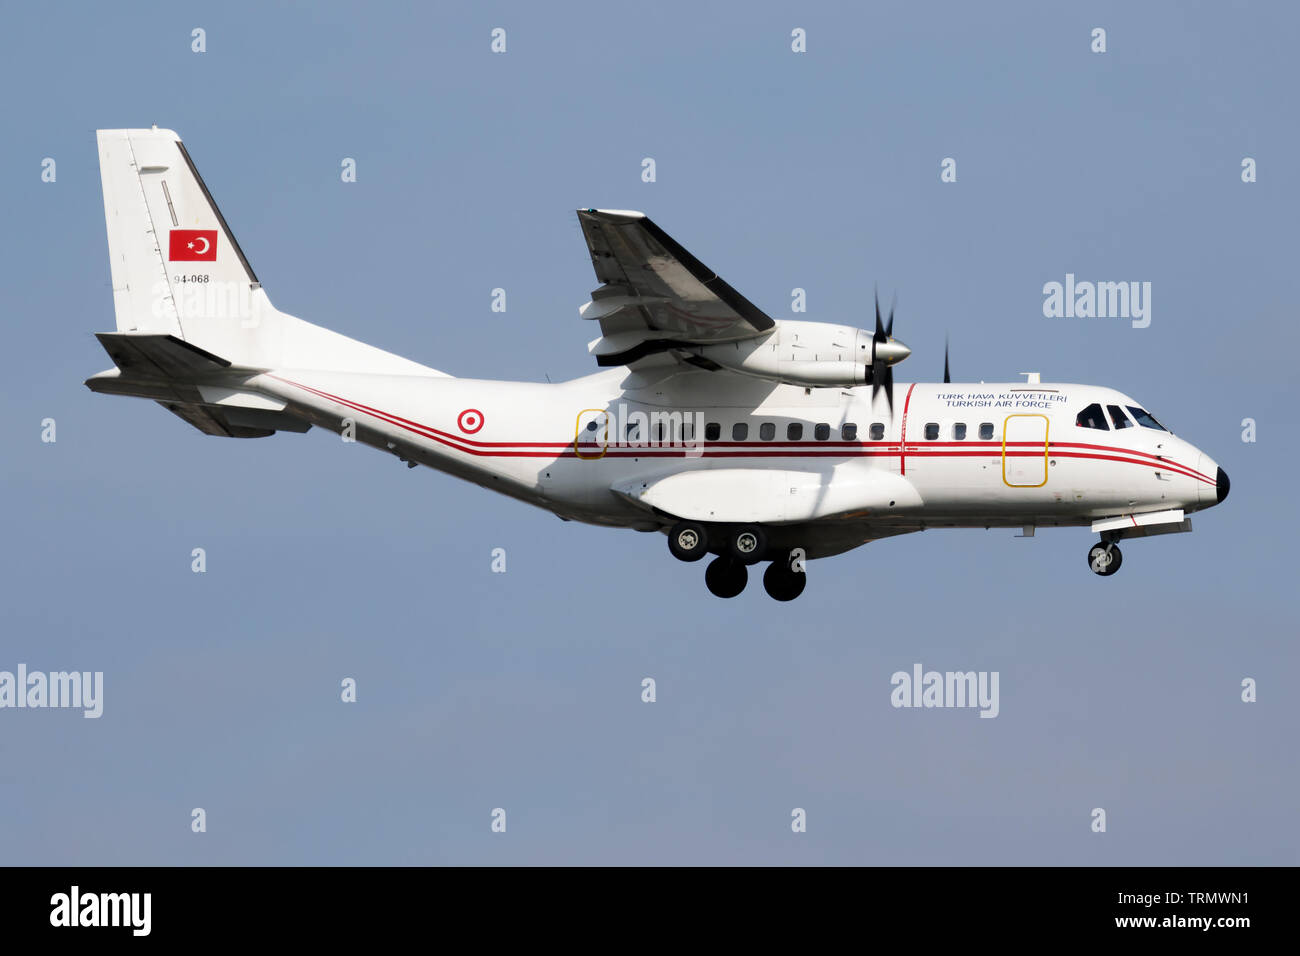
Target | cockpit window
(1118,418)
(1145,418)
(1092,417)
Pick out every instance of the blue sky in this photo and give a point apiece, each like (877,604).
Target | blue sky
(522,690)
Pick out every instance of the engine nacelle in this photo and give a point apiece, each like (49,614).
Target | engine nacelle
(812,354)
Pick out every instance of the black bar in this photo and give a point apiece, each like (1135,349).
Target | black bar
(980,906)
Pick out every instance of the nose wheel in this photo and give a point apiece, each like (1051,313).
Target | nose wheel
(1105,558)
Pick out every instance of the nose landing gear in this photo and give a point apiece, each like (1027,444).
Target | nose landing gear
(1104,558)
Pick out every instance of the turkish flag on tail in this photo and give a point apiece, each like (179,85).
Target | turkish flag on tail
(193,245)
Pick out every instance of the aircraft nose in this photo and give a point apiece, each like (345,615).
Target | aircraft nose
(1211,495)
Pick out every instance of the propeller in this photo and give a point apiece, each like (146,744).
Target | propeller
(884,353)
(947,378)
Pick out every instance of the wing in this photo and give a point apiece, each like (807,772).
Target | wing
(655,296)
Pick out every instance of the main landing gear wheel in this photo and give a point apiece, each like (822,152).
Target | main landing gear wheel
(1104,559)
(726,577)
(688,541)
(747,543)
(783,582)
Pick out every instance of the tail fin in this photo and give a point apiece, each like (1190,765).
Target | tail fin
(174,260)
(177,269)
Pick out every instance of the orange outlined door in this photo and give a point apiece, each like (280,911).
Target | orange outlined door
(1024,451)
(591,433)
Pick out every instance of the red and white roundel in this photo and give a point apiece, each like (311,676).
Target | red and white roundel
(470,420)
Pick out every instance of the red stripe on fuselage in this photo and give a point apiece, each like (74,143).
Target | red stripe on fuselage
(760,449)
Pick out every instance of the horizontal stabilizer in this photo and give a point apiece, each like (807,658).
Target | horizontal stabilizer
(151,355)
(191,383)
(235,422)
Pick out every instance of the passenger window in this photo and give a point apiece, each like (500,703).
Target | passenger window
(767,431)
(932,431)
(633,431)
(959,431)
(659,432)
(822,431)
(877,431)
(848,432)
(712,431)
(739,431)
(688,430)
(793,431)
(1145,418)
(986,431)
(1118,418)
(1092,417)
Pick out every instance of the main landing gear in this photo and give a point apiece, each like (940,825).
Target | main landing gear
(726,577)
(689,541)
(737,548)
(785,579)
(1104,558)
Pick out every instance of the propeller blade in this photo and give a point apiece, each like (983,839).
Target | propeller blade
(947,378)
(882,376)
(889,326)
(880,328)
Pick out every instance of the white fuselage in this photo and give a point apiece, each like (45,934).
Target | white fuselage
(752,438)
(1021,459)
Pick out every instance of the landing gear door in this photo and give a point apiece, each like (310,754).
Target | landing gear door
(591,433)
(1024,451)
